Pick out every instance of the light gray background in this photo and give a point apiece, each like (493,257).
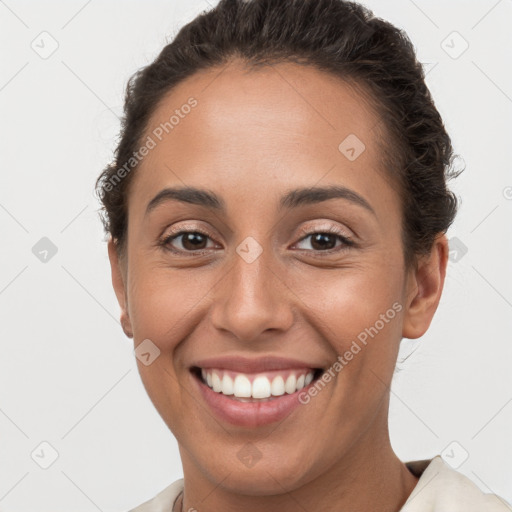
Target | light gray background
(67,372)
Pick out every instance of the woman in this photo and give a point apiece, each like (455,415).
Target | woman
(277,209)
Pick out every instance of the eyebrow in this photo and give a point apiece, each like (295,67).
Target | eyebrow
(292,199)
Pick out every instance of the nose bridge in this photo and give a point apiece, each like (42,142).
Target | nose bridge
(251,298)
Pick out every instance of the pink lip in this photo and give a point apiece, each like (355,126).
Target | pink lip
(261,364)
(249,414)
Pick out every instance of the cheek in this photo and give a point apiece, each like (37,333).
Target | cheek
(360,316)
(359,312)
(352,299)
(161,303)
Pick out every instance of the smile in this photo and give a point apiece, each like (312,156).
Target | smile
(246,386)
(253,399)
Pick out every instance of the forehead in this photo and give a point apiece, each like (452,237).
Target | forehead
(245,130)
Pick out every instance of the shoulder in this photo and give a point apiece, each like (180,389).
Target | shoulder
(163,501)
(442,489)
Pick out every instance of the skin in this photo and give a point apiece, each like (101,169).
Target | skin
(252,137)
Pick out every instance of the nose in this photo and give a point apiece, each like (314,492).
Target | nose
(252,299)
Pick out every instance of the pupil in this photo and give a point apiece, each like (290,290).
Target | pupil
(319,237)
(194,238)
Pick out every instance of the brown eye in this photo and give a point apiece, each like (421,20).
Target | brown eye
(326,241)
(190,241)
(323,241)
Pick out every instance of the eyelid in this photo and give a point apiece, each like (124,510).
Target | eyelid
(186,228)
(305,231)
(310,229)
(172,234)
(347,242)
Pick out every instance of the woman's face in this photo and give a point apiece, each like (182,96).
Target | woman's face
(261,281)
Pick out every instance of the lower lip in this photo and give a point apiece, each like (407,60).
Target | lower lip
(249,414)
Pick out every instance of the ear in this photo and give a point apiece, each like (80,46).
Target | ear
(423,289)
(118,282)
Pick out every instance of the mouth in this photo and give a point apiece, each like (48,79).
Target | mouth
(256,387)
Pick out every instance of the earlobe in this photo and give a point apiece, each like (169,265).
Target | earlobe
(118,283)
(424,289)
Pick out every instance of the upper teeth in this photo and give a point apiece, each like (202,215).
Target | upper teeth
(261,386)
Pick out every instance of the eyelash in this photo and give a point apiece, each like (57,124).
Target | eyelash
(165,242)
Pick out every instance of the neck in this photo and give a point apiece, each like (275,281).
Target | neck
(369,477)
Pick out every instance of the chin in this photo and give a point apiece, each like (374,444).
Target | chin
(265,476)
